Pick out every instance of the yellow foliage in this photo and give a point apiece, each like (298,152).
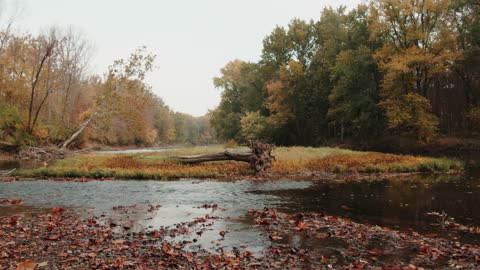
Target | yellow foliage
(277,104)
(411,111)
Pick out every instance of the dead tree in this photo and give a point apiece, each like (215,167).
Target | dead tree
(77,133)
(259,157)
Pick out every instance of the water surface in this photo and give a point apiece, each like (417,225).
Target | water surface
(401,203)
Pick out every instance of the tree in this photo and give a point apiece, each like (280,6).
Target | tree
(419,47)
(466,20)
(353,101)
(43,50)
(254,126)
(242,92)
(411,112)
(121,107)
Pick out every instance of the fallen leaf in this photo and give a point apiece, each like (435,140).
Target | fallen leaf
(57,210)
(324,259)
(375,252)
(26,265)
(301,226)
(275,237)
(42,264)
(15,202)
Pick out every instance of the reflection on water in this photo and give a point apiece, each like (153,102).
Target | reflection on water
(179,202)
(8,164)
(398,203)
(24,164)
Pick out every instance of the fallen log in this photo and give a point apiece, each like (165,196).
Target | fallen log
(259,157)
(41,153)
(228,154)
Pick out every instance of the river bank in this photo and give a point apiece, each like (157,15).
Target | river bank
(291,162)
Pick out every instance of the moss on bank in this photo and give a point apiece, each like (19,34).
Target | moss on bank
(291,161)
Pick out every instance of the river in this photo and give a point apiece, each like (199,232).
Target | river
(398,203)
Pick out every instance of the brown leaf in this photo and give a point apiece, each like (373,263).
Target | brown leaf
(321,235)
(324,259)
(118,242)
(26,265)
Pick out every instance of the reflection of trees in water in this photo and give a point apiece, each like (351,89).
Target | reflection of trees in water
(399,203)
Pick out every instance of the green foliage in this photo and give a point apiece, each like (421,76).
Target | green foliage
(254,126)
(12,127)
(242,93)
(386,66)
(10,121)
(353,99)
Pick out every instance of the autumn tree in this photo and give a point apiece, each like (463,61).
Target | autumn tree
(419,47)
(242,93)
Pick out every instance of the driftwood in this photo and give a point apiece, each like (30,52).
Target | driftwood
(41,153)
(7,173)
(259,157)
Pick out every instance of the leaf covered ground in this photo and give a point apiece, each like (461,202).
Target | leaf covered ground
(63,239)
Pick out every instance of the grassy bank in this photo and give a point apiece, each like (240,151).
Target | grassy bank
(291,161)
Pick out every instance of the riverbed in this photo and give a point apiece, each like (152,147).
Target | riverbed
(401,203)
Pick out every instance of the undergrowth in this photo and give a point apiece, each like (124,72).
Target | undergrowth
(290,161)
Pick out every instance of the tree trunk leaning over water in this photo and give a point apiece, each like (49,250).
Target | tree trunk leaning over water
(77,133)
(259,157)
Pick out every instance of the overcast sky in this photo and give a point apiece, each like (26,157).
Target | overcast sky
(192,39)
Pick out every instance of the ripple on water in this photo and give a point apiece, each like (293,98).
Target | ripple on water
(398,203)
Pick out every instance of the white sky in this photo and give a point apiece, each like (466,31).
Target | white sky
(193,39)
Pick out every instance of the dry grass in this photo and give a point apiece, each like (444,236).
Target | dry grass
(290,161)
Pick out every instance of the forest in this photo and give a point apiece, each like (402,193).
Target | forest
(351,142)
(47,93)
(387,68)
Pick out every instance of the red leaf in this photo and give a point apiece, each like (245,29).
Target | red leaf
(15,202)
(57,210)
(375,252)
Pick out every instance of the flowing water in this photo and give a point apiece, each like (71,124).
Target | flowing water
(396,203)
(400,203)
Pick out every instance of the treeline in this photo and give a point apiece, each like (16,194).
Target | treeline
(389,67)
(47,94)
